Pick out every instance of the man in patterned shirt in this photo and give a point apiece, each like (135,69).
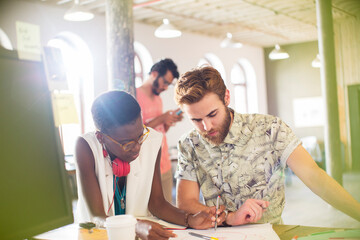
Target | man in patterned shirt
(241,157)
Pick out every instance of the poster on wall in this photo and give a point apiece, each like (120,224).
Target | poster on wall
(64,108)
(308,112)
(28,41)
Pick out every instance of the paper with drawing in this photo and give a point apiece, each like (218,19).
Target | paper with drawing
(248,232)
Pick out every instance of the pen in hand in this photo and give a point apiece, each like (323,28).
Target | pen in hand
(216,210)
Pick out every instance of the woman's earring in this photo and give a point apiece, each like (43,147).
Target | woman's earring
(99,137)
(105,153)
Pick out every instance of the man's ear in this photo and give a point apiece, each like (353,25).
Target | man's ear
(154,74)
(227,97)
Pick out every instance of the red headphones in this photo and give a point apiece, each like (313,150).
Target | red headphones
(119,167)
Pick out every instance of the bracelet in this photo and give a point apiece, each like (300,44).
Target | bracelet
(226,215)
(187,219)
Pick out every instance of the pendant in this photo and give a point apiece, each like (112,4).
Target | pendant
(122,203)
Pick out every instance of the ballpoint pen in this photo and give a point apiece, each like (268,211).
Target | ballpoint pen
(216,210)
(202,236)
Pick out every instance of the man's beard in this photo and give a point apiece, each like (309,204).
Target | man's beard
(155,86)
(222,131)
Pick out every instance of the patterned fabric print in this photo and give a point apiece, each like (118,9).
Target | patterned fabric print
(249,163)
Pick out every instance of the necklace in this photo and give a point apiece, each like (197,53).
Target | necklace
(122,197)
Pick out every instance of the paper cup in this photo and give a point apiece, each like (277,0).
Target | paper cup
(120,227)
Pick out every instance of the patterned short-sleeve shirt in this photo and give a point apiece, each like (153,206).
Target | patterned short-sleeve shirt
(249,164)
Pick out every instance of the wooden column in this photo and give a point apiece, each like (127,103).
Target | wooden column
(120,45)
(329,89)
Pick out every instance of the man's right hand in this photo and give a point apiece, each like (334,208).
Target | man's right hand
(170,118)
(148,230)
(250,212)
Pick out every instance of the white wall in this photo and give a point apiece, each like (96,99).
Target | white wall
(185,51)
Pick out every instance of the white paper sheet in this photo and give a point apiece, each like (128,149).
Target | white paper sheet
(28,41)
(162,222)
(245,232)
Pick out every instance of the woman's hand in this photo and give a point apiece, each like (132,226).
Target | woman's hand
(148,230)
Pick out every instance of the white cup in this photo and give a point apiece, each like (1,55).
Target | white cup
(120,227)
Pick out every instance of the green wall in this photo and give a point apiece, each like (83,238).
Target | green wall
(293,78)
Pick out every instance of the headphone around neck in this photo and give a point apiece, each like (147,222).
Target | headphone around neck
(120,168)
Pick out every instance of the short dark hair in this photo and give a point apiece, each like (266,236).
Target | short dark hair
(163,66)
(114,109)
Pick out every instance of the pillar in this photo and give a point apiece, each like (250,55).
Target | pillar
(329,89)
(120,45)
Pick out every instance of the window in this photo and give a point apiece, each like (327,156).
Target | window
(212,60)
(139,71)
(238,79)
(243,80)
(142,63)
(78,64)
(5,41)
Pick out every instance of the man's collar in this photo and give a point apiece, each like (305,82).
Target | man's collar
(233,135)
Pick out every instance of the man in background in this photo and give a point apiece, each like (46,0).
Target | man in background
(162,74)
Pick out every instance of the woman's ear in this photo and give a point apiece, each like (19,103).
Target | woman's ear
(100,137)
(227,97)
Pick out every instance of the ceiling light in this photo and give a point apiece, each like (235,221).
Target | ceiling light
(278,53)
(316,63)
(229,43)
(167,30)
(78,13)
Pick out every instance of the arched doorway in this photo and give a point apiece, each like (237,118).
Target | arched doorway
(78,64)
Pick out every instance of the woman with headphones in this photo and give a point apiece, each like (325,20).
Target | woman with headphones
(118,170)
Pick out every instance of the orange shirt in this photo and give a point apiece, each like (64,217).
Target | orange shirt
(152,108)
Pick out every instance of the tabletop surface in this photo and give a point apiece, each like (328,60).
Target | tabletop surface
(287,232)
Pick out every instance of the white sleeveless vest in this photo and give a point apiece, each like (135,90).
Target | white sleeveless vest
(139,180)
